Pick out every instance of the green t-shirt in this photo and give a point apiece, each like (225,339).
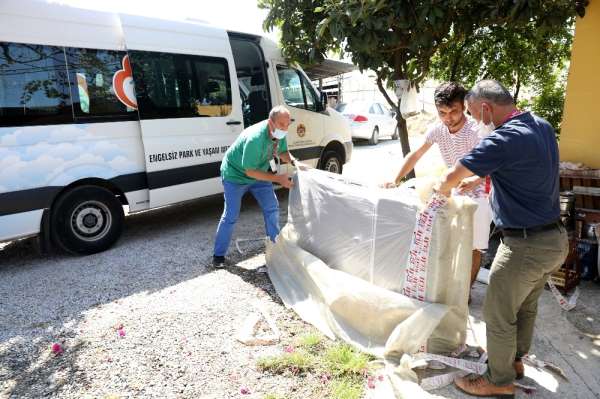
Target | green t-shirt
(253,149)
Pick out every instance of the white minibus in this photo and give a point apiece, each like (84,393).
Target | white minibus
(99,111)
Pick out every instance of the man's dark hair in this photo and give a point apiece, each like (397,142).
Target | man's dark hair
(448,93)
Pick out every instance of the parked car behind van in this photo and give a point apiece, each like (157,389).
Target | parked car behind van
(369,120)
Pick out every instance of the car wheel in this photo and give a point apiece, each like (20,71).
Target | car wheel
(332,162)
(374,136)
(86,220)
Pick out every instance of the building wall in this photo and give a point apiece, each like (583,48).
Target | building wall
(362,86)
(580,136)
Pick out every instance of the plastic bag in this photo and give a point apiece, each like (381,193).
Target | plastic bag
(409,104)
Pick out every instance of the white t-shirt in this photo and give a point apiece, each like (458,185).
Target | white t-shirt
(454,146)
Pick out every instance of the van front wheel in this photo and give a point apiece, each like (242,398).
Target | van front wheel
(86,220)
(332,162)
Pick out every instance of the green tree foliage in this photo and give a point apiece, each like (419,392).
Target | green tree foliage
(516,56)
(548,100)
(522,56)
(397,38)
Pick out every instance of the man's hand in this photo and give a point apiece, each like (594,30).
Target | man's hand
(468,184)
(440,189)
(389,184)
(301,166)
(284,181)
(451,179)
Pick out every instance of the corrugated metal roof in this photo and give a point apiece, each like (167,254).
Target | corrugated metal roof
(328,69)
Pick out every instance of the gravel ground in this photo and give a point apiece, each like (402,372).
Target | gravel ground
(150,319)
(147,318)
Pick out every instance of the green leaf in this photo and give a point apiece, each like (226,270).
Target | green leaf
(322,27)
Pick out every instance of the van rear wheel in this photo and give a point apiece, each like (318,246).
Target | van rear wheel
(332,162)
(86,220)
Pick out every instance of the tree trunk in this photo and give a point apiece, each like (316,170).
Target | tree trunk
(517,88)
(403,135)
(400,123)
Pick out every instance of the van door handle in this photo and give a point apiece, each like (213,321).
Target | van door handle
(234,123)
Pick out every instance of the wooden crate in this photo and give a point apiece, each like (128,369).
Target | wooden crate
(565,279)
(590,200)
(569,275)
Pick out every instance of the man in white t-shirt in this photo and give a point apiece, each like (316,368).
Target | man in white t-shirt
(455,135)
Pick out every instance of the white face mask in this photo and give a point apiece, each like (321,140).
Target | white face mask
(483,129)
(279,134)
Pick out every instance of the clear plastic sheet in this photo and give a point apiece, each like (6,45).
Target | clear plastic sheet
(340,264)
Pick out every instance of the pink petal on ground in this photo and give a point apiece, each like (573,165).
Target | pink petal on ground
(121,332)
(289,349)
(371,385)
(380,378)
(57,349)
(244,391)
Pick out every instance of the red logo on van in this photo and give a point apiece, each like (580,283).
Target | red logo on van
(123,85)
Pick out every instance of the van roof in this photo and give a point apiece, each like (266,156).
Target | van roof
(40,22)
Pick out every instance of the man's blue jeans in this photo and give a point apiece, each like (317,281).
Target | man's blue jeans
(265,196)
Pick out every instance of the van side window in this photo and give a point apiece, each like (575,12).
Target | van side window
(94,86)
(34,87)
(291,87)
(311,97)
(297,90)
(180,85)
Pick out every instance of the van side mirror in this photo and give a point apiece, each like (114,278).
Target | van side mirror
(324,102)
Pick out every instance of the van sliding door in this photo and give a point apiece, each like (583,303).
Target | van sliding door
(252,78)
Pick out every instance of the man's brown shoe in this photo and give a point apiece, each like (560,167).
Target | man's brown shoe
(480,386)
(519,369)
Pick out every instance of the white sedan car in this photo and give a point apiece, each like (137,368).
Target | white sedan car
(369,120)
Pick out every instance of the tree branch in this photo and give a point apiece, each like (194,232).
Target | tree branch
(386,95)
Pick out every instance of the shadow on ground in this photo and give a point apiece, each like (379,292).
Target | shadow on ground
(43,297)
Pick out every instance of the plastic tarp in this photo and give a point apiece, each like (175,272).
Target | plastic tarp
(340,263)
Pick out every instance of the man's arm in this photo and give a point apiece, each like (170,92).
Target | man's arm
(452,178)
(282,180)
(287,157)
(409,163)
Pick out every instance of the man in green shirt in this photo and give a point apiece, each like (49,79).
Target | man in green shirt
(248,165)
